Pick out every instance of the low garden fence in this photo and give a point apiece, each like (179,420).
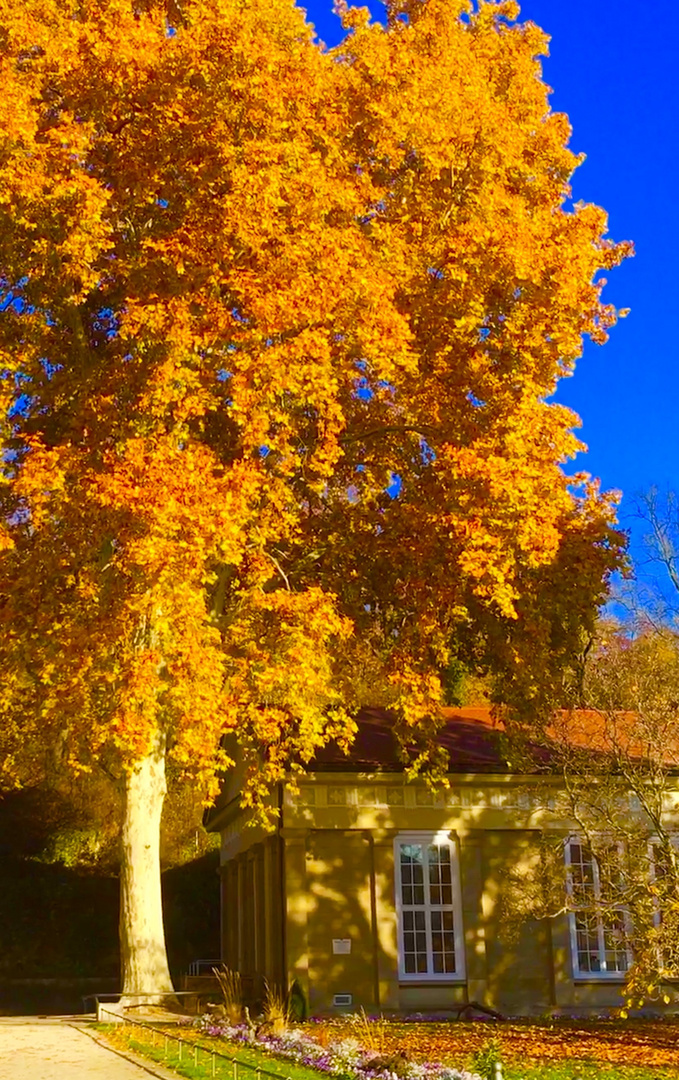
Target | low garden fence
(173,1050)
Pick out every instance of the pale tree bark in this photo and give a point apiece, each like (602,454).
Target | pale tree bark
(145,968)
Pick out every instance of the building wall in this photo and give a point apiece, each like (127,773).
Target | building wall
(253,915)
(518,965)
(340,887)
(337,850)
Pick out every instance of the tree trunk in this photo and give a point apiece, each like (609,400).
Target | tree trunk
(145,969)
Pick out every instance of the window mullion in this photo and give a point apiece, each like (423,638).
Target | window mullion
(601,935)
(601,938)
(430,948)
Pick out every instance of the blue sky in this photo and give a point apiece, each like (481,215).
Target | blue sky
(613,69)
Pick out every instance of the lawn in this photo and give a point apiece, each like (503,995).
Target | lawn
(553,1050)
(199,1065)
(556,1050)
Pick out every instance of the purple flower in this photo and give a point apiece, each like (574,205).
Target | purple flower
(343,1057)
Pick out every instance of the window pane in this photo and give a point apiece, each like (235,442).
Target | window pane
(436,932)
(587,938)
(600,938)
(442,942)
(413,942)
(412,888)
(440,887)
(411,855)
(614,943)
(581,869)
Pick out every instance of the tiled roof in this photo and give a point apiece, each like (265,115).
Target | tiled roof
(472,738)
(470,735)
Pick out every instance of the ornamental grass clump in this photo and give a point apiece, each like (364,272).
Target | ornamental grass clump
(232,994)
(275,1014)
(371,1032)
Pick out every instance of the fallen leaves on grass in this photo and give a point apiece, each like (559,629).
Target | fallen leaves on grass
(632,1042)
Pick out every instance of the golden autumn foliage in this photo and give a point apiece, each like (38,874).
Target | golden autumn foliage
(247,286)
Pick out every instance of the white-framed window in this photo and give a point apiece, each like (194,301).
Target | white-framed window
(599,938)
(429,907)
(660,870)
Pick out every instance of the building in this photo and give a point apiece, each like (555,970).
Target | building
(374,891)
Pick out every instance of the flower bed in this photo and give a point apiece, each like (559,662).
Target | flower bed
(344,1056)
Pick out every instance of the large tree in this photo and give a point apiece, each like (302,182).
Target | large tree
(278,330)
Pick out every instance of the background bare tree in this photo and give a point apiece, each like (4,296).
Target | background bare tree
(613,749)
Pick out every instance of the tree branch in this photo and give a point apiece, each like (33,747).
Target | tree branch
(390,429)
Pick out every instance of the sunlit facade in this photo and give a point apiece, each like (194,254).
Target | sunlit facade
(375,892)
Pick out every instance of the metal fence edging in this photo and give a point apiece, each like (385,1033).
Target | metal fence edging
(235,1062)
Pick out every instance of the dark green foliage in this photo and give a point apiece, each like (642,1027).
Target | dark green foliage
(55,922)
(191,907)
(58,922)
(298,1007)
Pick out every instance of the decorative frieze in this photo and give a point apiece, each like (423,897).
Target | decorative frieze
(424,797)
(367,796)
(419,795)
(337,796)
(513,799)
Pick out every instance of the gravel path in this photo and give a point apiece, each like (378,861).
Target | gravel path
(53,1049)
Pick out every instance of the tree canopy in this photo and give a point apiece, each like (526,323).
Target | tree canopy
(279,328)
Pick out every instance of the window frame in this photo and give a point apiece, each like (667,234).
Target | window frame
(602,975)
(426,838)
(653,844)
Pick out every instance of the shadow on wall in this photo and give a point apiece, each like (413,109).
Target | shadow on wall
(344,892)
(519,965)
(344,896)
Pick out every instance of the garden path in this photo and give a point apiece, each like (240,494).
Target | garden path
(57,1049)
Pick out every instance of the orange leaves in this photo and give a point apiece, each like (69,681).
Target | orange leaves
(632,1042)
(283,331)
(175,505)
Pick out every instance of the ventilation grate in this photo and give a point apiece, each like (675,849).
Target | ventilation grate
(342,999)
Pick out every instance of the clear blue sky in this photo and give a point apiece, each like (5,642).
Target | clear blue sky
(613,67)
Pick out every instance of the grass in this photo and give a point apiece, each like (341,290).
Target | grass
(232,993)
(580,1070)
(529,1051)
(195,1061)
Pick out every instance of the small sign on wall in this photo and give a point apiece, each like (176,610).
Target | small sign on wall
(341,945)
